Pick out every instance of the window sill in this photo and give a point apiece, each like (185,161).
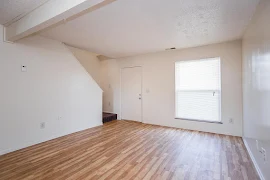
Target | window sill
(203,121)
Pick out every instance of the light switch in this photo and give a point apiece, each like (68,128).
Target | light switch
(24,68)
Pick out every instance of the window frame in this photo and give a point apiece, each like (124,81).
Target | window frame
(220,102)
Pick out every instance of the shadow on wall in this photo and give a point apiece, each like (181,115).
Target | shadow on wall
(110,83)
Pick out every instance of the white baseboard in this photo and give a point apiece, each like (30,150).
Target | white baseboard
(6,151)
(254,160)
(109,112)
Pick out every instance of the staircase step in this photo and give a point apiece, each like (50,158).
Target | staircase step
(107,117)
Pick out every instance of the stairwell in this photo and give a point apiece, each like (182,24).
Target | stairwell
(92,65)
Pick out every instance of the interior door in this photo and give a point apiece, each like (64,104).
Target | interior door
(131,93)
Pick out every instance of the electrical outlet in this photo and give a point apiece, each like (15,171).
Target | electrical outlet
(42,125)
(264,154)
(59,117)
(231,120)
(24,68)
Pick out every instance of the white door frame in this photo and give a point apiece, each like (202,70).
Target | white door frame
(141,90)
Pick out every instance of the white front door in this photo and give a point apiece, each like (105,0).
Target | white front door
(131,93)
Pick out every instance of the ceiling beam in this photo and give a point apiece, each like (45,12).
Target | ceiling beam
(49,14)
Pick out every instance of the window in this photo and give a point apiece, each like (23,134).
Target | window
(198,90)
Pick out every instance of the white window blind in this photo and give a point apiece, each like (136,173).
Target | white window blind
(198,89)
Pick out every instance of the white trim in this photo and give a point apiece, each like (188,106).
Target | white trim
(109,112)
(9,151)
(253,160)
(4,36)
(33,143)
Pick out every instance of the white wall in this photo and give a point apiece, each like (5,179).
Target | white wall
(110,83)
(256,86)
(89,61)
(55,85)
(158,78)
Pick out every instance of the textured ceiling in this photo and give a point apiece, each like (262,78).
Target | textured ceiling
(10,10)
(129,27)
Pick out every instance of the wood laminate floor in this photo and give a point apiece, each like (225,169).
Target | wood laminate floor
(130,150)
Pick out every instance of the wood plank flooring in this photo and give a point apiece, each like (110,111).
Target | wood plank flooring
(130,150)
